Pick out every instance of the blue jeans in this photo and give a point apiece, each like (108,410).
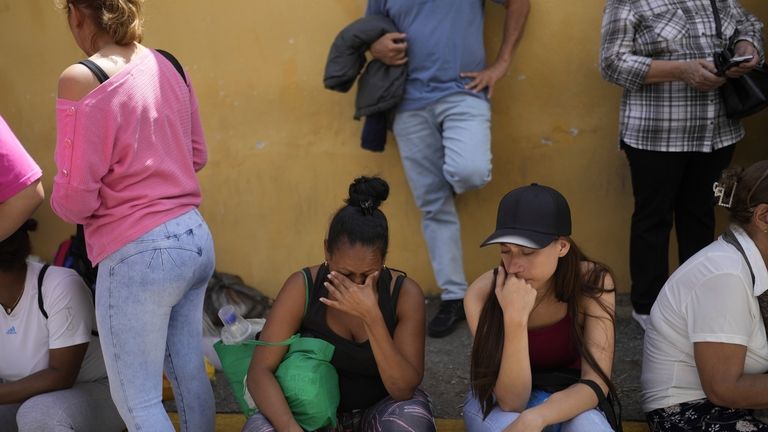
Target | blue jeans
(589,421)
(446,150)
(149,309)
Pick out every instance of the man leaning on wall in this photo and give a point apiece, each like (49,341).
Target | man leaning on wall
(673,127)
(442,125)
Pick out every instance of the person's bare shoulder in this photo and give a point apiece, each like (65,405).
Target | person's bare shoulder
(75,82)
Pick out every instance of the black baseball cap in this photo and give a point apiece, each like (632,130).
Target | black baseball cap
(531,216)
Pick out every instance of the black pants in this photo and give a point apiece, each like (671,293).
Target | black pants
(669,185)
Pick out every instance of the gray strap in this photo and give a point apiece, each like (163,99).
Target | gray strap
(730,237)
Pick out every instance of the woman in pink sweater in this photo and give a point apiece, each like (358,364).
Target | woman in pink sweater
(129,142)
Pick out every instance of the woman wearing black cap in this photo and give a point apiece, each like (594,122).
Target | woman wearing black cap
(546,313)
(374,317)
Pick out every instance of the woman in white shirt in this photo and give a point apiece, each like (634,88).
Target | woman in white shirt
(52,374)
(705,353)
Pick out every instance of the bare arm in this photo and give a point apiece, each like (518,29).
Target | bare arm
(578,398)
(17,209)
(514,24)
(287,311)
(698,74)
(63,367)
(400,360)
(516,298)
(721,371)
(475,297)
(619,63)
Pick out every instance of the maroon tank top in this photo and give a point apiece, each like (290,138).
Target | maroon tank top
(553,347)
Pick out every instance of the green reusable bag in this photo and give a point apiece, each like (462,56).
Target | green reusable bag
(306,376)
(310,383)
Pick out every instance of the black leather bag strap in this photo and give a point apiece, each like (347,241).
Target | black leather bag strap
(606,405)
(718,24)
(40,305)
(175,64)
(40,277)
(95,69)
(729,237)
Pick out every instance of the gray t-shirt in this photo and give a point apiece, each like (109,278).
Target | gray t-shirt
(445,38)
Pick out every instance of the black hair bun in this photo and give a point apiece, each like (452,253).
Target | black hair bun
(368,193)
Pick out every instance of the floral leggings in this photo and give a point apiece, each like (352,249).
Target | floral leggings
(388,415)
(702,415)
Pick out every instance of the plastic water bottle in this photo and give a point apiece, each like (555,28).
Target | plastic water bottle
(236,328)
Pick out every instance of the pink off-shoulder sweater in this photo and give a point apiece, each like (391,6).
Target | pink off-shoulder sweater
(127,154)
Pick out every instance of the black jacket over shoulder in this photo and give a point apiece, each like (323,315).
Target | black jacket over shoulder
(380,87)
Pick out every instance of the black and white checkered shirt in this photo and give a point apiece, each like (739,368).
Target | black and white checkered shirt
(670,116)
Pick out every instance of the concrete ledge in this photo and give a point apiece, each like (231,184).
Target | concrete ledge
(235,422)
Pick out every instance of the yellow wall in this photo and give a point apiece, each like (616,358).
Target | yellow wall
(283,149)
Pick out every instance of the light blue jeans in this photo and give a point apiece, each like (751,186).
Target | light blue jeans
(149,310)
(446,150)
(588,421)
(85,407)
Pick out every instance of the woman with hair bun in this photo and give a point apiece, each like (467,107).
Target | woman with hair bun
(705,356)
(52,375)
(129,144)
(373,315)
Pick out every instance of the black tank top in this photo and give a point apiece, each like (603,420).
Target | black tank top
(360,383)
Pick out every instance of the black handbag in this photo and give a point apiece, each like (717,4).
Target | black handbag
(747,94)
(556,380)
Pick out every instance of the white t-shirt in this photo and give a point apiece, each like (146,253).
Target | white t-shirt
(26,336)
(710,298)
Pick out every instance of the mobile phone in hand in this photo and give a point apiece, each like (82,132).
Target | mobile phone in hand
(735,61)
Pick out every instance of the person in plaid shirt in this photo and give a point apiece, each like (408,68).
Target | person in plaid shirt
(673,127)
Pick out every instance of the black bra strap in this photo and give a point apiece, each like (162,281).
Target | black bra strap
(175,63)
(95,69)
(102,76)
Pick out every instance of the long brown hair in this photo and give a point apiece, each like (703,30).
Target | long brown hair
(571,283)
